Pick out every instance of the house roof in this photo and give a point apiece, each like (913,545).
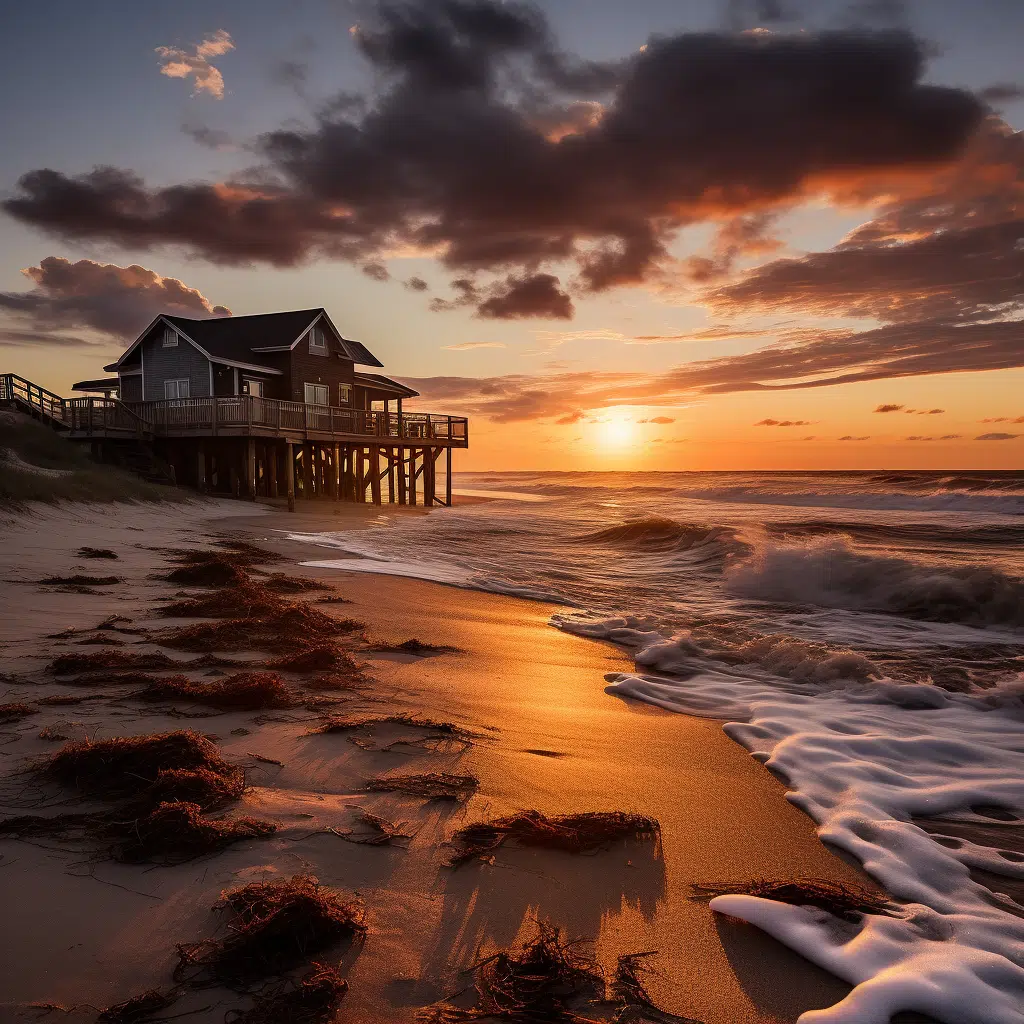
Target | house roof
(382,383)
(241,339)
(100,384)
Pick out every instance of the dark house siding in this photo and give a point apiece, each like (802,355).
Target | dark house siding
(160,364)
(310,367)
(131,388)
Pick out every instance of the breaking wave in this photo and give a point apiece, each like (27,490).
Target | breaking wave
(657,534)
(831,573)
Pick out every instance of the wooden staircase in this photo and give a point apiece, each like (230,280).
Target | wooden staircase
(24,396)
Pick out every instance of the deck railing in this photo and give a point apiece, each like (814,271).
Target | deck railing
(103,415)
(199,415)
(17,389)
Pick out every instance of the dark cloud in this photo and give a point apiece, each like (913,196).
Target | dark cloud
(1002,92)
(416,284)
(114,301)
(457,155)
(1003,419)
(996,437)
(888,408)
(782,423)
(534,296)
(944,437)
(850,437)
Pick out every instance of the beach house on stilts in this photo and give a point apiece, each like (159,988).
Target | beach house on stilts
(267,405)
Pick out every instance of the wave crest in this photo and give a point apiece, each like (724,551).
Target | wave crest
(831,573)
(655,533)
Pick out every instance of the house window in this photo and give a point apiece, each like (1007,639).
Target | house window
(252,386)
(344,394)
(176,388)
(170,337)
(317,340)
(317,394)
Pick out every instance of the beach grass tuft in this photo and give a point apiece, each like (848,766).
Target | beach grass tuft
(573,833)
(841,899)
(273,927)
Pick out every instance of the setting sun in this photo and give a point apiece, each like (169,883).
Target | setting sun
(615,432)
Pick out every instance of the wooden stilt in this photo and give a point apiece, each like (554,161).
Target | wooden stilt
(271,470)
(375,474)
(336,473)
(250,469)
(392,496)
(289,474)
(428,477)
(413,473)
(201,468)
(400,474)
(357,454)
(307,470)
(448,478)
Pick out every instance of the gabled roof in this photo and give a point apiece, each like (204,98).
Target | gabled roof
(382,383)
(241,339)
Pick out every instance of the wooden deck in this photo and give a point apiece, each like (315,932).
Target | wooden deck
(235,416)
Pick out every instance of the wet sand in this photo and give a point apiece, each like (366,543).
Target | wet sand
(98,932)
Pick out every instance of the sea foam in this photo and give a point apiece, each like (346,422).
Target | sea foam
(864,757)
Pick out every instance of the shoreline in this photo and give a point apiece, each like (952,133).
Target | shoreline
(531,690)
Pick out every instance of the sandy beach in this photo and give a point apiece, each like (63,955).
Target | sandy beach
(82,931)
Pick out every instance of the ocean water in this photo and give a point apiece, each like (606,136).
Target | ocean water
(862,634)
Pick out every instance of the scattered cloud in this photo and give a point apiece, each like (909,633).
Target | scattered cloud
(469,346)
(838,114)
(782,423)
(888,408)
(850,437)
(944,437)
(416,284)
(376,271)
(996,437)
(572,417)
(116,302)
(177,63)
(1003,419)
(209,138)
(658,419)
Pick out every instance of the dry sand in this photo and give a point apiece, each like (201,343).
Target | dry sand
(79,932)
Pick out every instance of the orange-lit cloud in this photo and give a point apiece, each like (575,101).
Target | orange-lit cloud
(178,63)
(114,301)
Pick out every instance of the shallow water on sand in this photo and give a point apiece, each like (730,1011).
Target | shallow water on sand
(863,633)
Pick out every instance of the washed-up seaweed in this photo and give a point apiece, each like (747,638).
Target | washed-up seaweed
(137,1009)
(573,833)
(15,711)
(429,785)
(311,999)
(841,899)
(72,664)
(87,552)
(246,691)
(272,928)
(172,833)
(292,627)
